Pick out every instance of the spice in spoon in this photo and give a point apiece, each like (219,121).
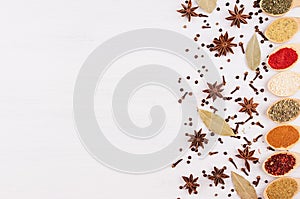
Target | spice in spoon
(282,188)
(280,164)
(282,136)
(284,110)
(283,58)
(282,30)
(276,7)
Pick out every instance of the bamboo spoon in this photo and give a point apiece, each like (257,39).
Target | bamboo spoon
(284,84)
(288,147)
(283,114)
(295,193)
(276,6)
(296,156)
(283,29)
(295,47)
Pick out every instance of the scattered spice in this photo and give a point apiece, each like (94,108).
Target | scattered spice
(246,155)
(282,136)
(283,58)
(248,106)
(241,44)
(284,110)
(282,188)
(198,139)
(237,17)
(214,91)
(253,53)
(218,176)
(223,45)
(243,187)
(282,30)
(280,164)
(257,181)
(213,153)
(231,160)
(244,171)
(245,75)
(277,7)
(190,184)
(188,11)
(176,163)
(256,139)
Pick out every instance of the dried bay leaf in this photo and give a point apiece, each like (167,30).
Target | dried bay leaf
(243,187)
(253,54)
(215,123)
(207,5)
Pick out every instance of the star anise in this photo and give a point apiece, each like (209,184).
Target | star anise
(197,139)
(188,11)
(190,184)
(223,45)
(218,176)
(247,155)
(248,106)
(237,17)
(214,91)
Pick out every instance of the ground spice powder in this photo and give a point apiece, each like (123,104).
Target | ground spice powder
(283,136)
(282,30)
(280,164)
(283,188)
(283,58)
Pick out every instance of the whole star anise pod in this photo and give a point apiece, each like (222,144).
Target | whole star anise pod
(218,176)
(248,106)
(247,155)
(197,139)
(190,184)
(214,91)
(223,45)
(188,11)
(237,17)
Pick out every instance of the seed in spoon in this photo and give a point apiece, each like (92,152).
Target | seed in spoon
(284,84)
(282,188)
(282,30)
(276,7)
(282,136)
(280,164)
(284,110)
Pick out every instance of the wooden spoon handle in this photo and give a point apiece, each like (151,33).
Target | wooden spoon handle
(296,3)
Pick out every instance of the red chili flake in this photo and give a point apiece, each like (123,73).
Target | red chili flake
(280,164)
(283,58)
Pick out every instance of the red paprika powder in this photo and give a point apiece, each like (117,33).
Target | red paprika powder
(283,58)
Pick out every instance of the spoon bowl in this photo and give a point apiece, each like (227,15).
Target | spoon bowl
(296,179)
(277,6)
(294,154)
(283,113)
(283,138)
(284,84)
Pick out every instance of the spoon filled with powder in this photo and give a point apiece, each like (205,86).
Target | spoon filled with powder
(283,29)
(285,187)
(278,7)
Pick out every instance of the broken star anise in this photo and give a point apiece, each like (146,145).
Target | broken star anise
(248,106)
(237,17)
(188,11)
(247,155)
(214,91)
(218,175)
(197,139)
(223,45)
(190,184)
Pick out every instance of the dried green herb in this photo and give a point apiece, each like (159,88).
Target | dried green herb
(207,5)
(284,110)
(277,7)
(253,54)
(243,187)
(215,123)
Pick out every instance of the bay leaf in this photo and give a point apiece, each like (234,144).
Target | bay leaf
(243,187)
(207,5)
(215,123)
(253,53)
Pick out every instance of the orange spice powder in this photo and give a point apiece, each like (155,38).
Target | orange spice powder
(283,136)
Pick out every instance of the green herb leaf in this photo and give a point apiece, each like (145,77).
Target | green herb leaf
(243,187)
(215,123)
(253,54)
(207,5)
